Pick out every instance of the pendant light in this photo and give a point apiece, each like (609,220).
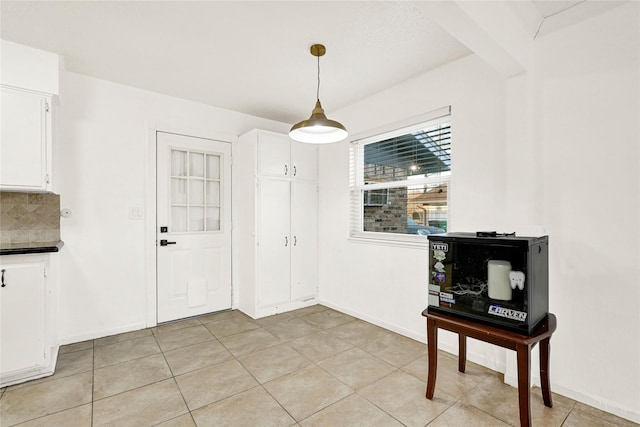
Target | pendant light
(317,129)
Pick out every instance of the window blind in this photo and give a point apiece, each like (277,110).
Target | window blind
(399,179)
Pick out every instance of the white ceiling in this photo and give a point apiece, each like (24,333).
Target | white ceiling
(251,57)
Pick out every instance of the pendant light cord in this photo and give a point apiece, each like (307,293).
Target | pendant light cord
(318,89)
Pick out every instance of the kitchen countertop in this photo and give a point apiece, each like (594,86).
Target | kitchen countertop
(30,248)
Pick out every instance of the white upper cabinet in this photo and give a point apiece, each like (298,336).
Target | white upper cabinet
(278,156)
(273,155)
(304,161)
(29,79)
(25,140)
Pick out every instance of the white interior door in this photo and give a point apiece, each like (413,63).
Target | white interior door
(194,226)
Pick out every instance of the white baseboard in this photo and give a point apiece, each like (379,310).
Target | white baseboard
(100,334)
(482,359)
(449,348)
(598,403)
(394,328)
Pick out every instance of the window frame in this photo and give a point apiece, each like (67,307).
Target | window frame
(358,185)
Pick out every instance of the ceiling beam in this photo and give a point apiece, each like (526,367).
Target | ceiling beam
(492,30)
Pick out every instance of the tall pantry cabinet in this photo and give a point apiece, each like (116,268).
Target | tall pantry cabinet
(277,223)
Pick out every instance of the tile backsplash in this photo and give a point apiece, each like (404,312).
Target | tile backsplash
(29,217)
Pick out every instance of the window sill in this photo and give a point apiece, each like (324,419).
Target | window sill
(402,241)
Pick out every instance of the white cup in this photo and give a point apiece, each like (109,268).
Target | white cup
(498,280)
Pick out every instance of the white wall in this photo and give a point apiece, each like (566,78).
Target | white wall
(588,127)
(558,147)
(101,155)
(387,284)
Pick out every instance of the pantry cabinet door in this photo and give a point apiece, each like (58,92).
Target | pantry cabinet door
(274,242)
(304,236)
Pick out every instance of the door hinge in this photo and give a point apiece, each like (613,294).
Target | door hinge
(46,178)
(45,272)
(46,106)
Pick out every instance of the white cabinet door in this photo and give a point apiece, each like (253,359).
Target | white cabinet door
(274,154)
(304,236)
(22,317)
(23,140)
(274,242)
(304,161)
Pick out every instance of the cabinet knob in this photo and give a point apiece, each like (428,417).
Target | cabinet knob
(286,241)
(3,284)
(286,169)
(295,170)
(295,240)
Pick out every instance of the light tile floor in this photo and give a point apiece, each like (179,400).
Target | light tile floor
(310,367)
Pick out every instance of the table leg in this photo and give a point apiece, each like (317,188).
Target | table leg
(462,352)
(524,387)
(545,354)
(432,346)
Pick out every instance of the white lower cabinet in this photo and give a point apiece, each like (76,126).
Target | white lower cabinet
(28,348)
(277,225)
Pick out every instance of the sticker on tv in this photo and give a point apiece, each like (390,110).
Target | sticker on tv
(507,313)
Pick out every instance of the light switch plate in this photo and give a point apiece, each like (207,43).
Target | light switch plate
(136,213)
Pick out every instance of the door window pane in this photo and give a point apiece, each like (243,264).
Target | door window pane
(178,191)
(178,163)
(213,193)
(213,219)
(196,219)
(213,166)
(196,192)
(196,164)
(178,219)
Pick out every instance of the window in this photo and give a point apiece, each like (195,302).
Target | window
(195,191)
(400,180)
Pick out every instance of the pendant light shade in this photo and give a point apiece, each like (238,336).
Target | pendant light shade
(318,129)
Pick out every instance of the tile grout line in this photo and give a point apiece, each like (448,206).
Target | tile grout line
(173,377)
(331,331)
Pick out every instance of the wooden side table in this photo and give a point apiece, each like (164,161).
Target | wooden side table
(522,344)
